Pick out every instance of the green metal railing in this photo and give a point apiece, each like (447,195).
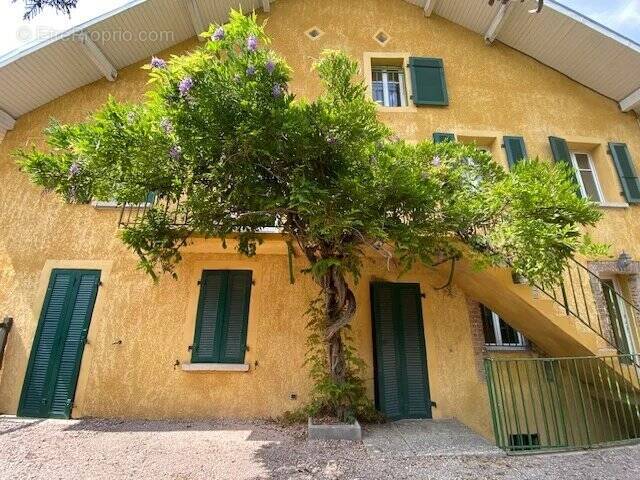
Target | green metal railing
(543,404)
(593,301)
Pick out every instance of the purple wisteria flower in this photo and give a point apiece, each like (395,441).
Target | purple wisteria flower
(166,125)
(276,91)
(74,169)
(270,66)
(185,85)
(435,161)
(175,152)
(158,63)
(251,70)
(218,34)
(252,43)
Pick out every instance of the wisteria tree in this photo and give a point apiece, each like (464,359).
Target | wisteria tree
(221,135)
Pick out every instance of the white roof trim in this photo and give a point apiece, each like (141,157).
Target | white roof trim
(632,102)
(14,55)
(582,49)
(598,27)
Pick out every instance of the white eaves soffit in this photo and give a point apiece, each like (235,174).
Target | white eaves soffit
(566,41)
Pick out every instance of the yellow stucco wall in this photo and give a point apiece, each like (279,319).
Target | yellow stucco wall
(494,91)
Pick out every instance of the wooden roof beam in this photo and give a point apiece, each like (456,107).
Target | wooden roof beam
(498,22)
(97,57)
(429,5)
(632,102)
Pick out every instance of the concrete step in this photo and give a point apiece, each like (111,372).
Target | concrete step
(416,438)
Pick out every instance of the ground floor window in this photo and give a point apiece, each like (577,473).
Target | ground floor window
(223,312)
(498,333)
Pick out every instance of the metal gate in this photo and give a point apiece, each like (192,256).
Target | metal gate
(564,403)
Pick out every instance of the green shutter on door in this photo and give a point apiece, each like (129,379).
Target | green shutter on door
(516,151)
(417,401)
(402,384)
(428,81)
(626,171)
(223,312)
(52,373)
(77,328)
(562,154)
(388,392)
(439,137)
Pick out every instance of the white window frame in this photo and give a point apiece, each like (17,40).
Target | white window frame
(592,166)
(500,345)
(402,79)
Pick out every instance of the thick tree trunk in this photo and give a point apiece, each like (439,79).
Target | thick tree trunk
(340,307)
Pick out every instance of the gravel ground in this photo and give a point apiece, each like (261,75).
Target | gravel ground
(100,449)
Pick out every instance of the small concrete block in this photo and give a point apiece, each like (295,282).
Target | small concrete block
(352,432)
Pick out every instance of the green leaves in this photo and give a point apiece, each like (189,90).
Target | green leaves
(220,134)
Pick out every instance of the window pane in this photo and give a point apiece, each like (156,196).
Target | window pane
(392,79)
(590,187)
(378,93)
(487,326)
(509,335)
(394,94)
(583,161)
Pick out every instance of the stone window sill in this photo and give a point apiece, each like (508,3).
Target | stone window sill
(215,367)
(506,348)
(613,205)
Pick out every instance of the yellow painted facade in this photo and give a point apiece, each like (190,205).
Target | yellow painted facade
(140,331)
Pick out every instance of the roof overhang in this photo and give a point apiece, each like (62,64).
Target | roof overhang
(559,37)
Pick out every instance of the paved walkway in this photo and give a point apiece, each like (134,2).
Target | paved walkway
(411,438)
(227,450)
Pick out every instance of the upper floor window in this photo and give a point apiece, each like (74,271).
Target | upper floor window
(498,333)
(587,176)
(388,86)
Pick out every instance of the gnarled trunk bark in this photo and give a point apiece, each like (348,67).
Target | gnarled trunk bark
(340,307)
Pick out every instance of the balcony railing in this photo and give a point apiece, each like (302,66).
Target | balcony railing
(132,214)
(564,403)
(582,294)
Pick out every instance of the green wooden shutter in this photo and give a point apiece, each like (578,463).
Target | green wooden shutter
(210,311)
(234,335)
(561,154)
(417,401)
(388,395)
(33,401)
(76,329)
(516,150)
(626,171)
(439,137)
(52,373)
(223,312)
(428,81)
(402,385)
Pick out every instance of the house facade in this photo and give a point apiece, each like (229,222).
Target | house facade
(93,336)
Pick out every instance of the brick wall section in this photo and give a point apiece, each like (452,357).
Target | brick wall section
(477,336)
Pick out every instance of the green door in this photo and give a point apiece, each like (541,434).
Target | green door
(402,383)
(50,382)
